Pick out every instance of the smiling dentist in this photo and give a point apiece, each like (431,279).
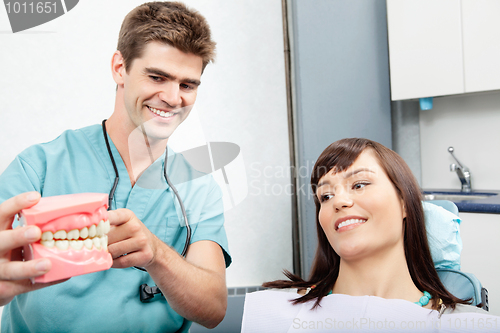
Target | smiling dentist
(163,49)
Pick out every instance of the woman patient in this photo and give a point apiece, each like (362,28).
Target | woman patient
(371,239)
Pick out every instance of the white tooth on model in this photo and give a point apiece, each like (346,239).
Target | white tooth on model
(62,244)
(61,234)
(74,234)
(76,244)
(100,229)
(107,227)
(97,242)
(104,242)
(92,230)
(47,236)
(88,243)
(84,233)
(48,243)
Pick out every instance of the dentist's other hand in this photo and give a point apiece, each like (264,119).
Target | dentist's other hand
(14,273)
(128,235)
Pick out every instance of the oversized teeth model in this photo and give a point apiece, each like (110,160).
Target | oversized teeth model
(76,239)
(162,113)
(74,234)
(348,222)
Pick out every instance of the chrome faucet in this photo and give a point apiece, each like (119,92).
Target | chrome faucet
(462,172)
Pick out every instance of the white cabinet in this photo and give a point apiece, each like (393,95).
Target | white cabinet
(481,252)
(425,48)
(443,47)
(481,39)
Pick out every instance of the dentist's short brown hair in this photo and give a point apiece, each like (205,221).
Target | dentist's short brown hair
(171,23)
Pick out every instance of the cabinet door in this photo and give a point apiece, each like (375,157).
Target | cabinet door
(481,37)
(425,48)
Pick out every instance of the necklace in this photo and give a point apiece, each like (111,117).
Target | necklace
(424,300)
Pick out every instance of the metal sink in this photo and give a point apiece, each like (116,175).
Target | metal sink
(457,196)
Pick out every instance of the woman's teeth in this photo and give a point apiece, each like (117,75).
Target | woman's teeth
(162,113)
(348,222)
(95,235)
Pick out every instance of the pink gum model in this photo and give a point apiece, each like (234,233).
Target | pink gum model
(74,228)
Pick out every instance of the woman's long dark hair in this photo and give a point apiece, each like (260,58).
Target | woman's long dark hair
(339,156)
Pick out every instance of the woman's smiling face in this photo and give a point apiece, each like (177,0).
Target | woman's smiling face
(361,212)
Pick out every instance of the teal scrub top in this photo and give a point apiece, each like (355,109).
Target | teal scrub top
(108,301)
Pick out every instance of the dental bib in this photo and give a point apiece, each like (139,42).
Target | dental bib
(74,234)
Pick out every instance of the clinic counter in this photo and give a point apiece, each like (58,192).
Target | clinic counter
(489,202)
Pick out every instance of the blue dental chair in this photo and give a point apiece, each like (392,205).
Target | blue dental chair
(464,286)
(460,284)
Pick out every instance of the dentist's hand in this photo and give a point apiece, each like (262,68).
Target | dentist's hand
(14,273)
(128,235)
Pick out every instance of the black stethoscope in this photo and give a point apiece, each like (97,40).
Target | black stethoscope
(146,292)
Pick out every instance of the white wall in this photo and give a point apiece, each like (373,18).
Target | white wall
(470,123)
(57,76)
(480,252)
